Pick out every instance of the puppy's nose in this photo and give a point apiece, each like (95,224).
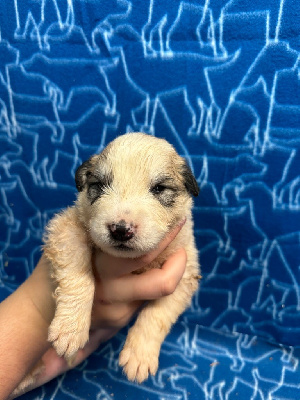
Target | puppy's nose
(121,231)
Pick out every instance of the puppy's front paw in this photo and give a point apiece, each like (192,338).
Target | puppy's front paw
(138,361)
(67,338)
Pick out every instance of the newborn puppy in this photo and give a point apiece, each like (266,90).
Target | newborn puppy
(130,196)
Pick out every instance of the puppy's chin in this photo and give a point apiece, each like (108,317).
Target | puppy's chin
(123,251)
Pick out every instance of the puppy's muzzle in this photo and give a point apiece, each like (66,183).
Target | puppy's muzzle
(121,231)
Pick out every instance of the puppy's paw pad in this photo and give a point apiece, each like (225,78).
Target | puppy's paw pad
(137,365)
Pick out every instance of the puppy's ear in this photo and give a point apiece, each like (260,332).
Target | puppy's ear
(190,182)
(81,175)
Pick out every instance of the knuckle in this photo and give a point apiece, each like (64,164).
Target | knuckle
(168,286)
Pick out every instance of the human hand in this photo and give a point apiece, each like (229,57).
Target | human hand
(119,294)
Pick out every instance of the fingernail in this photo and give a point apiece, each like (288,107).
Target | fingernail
(182,222)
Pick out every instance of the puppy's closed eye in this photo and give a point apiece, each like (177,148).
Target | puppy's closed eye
(95,190)
(165,193)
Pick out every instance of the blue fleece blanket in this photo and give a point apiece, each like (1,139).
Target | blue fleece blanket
(220,79)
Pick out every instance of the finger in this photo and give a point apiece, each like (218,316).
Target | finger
(53,365)
(113,315)
(152,284)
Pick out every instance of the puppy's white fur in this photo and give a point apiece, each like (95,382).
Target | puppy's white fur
(139,180)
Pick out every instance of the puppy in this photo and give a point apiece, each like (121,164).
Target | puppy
(129,197)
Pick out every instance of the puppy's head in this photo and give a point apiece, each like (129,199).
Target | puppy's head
(133,193)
